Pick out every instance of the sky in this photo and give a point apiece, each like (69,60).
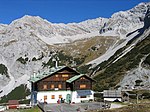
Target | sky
(63,11)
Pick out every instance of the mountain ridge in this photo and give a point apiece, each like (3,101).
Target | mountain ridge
(128,65)
(30,47)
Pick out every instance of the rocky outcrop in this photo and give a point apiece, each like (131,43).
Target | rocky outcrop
(123,22)
(147,18)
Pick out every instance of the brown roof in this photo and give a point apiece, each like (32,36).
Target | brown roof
(13,102)
(52,71)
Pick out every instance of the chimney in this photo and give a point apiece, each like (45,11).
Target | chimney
(55,62)
(34,74)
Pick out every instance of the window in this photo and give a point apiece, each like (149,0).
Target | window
(65,75)
(53,97)
(60,96)
(59,86)
(82,78)
(82,86)
(82,96)
(45,98)
(44,86)
(52,86)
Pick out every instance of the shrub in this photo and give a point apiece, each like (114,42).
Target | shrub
(22,60)
(3,70)
(147,60)
(146,95)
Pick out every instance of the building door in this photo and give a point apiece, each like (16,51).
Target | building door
(33,97)
(68,98)
(45,98)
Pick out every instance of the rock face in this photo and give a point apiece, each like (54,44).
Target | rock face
(142,71)
(49,29)
(147,19)
(124,22)
(129,64)
(30,41)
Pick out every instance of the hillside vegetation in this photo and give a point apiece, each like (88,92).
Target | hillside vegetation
(87,49)
(110,74)
(17,94)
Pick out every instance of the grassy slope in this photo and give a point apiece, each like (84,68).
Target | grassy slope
(110,73)
(17,94)
(81,52)
(88,48)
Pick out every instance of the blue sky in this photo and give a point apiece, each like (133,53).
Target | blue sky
(63,11)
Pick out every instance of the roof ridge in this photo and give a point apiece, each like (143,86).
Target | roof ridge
(44,74)
(74,78)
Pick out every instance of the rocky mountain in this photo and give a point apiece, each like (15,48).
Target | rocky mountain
(29,44)
(123,22)
(129,67)
(120,24)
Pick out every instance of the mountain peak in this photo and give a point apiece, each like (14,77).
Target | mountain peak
(31,20)
(123,22)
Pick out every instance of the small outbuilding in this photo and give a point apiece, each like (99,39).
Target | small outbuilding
(13,104)
(127,95)
(112,95)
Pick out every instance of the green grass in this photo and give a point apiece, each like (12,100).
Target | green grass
(34,109)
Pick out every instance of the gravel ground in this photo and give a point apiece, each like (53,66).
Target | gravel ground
(80,107)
